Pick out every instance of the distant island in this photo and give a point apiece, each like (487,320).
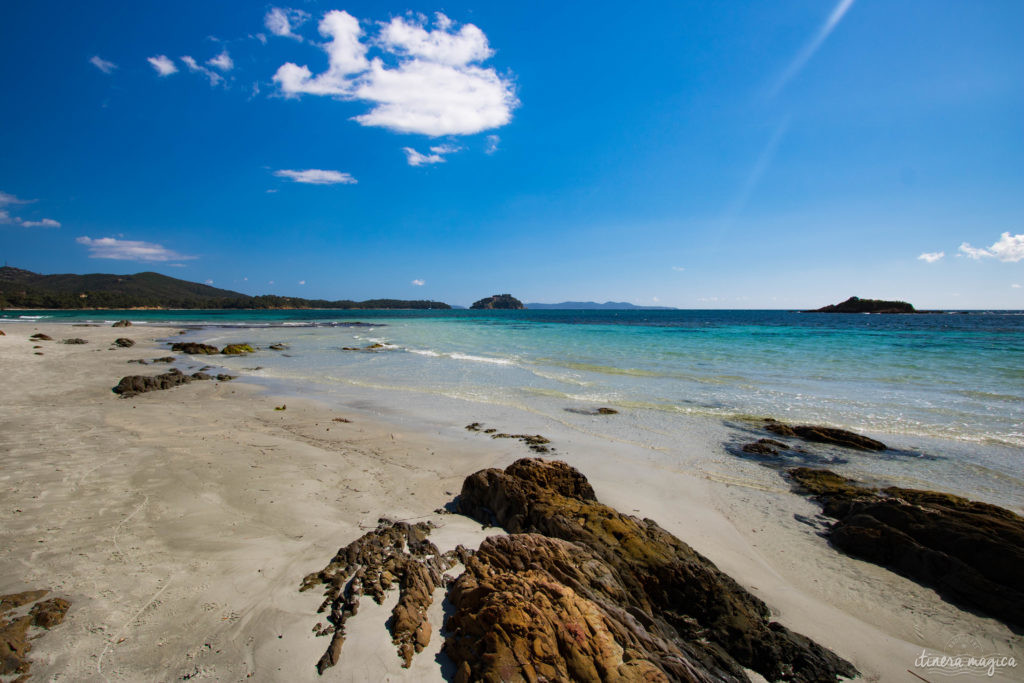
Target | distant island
(856,305)
(498,302)
(594,306)
(25,289)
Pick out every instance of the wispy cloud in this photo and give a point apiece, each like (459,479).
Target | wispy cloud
(102,64)
(195,67)
(222,62)
(931,256)
(436,156)
(804,55)
(1015,286)
(419,283)
(764,161)
(44,223)
(129,250)
(163,64)
(436,88)
(491,145)
(1009,248)
(317,176)
(6,217)
(283,21)
(302,282)
(678,269)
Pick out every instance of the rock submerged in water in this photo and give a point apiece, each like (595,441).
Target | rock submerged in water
(194,349)
(829,435)
(581,591)
(132,385)
(971,553)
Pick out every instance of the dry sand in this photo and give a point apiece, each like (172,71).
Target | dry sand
(180,524)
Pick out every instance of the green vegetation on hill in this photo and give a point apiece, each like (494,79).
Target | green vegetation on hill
(856,305)
(498,301)
(25,289)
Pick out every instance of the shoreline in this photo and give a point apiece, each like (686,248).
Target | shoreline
(184,520)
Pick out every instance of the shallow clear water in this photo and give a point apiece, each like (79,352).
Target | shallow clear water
(911,379)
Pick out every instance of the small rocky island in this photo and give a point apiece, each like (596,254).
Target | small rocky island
(856,305)
(498,302)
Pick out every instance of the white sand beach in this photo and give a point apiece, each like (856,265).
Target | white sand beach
(180,524)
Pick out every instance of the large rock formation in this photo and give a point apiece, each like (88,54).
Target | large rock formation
(499,301)
(613,598)
(855,305)
(971,553)
(829,435)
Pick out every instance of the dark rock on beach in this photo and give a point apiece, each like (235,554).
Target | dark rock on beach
(74,340)
(856,305)
(971,553)
(595,411)
(395,553)
(133,385)
(124,342)
(371,347)
(583,592)
(764,447)
(829,435)
(122,323)
(39,336)
(15,641)
(194,349)
(498,302)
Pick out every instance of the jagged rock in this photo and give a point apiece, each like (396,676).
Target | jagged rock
(194,349)
(122,323)
(74,340)
(133,385)
(278,347)
(856,305)
(237,349)
(971,553)
(226,378)
(498,301)
(39,336)
(395,553)
(535,442)
(671,593)
(830,435)
(371,347)
(124,342)
(165,359)
(15,642)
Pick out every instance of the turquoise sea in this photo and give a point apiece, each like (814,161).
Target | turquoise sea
(946,389)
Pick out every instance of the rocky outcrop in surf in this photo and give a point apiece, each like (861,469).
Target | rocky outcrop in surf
(971,553)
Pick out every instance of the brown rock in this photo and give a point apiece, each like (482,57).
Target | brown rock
(39,336)
(673,592)
(74,340)
(49,613)
(829,435)
(194,349)
(15,642)
(133,385)
(971,553)
(122,323)
(764,447)
(124,342)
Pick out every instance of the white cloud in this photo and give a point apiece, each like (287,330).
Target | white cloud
(102,64)
(302,282)
(222,62)
(44,223)
(195,67)
(129,250)
(6,199)
(678,269)
(1015,286)
(209,282)
(317,176)
(808,50)
(419,283)
(416,159)
(282,21)
(492,144)
(437,87)
(1009,248)
(163,64)
(931,256)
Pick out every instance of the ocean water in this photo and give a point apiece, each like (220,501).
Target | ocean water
(946,389)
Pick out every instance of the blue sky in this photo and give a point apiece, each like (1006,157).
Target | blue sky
(690,154)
